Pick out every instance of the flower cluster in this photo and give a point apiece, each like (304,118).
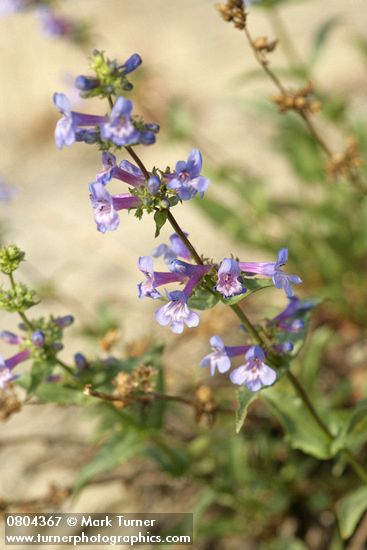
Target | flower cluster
(254,373)
(41,343)
(199,282)
(226,280)
(154,191)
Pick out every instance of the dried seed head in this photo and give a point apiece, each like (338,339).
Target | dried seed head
(233,10)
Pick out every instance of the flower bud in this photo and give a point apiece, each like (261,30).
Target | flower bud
(38,338)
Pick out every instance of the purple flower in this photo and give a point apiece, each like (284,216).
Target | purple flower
(176,313)
(38,338)
(177,249)
(7,366)
(10,337)
(154,184)
(105,206)
(228,279)
(80,361)
(126,171)
(120,129)
(287,319)
(132,63)
(67,127)
(6,375)
(186,179)
(86,83)
(64,321)
(12,6)
(148,288)
(218,359)
(273,270)
(54,25)
(254,373)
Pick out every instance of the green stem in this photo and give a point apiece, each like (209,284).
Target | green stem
(137,159)
(172,220)
(22,315)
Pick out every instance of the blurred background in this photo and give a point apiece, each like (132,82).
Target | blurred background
(200,82)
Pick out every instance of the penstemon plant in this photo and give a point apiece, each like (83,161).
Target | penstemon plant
(129,395)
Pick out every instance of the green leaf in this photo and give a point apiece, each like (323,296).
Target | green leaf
(57,393)
(301,428)
(38,374)
(245,398)
(203,299)
(160,218)
(350,510)
(120,448)
(321,36)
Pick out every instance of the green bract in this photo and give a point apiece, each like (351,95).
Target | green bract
(18,298)
(10,258)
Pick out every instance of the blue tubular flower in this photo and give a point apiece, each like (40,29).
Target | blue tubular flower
(186,180)
(86,83)
(228,279)
(64,321)
(80,361)
(126,171)
(169,253)
(176,313)
(132,63)
(148,288)
(53,25)
(273,270)
(67,128)
(105,206)
(120,129)
(10,337)
(154,184)
(38,338)
(254,373)
(287,319)
(7,366)
(218,359)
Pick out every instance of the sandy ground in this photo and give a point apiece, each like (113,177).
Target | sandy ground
(191,54)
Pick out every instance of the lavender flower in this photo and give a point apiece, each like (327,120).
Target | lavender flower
(148,288)
(274,271)
(64,321)
(218,359)
(126,171)
(287,319)
(7,366)
(10,337)
(105,206)
(66,132)
(176,313)
(154,184)
(120,129)
(132,63)
(186,179)
(169,253)
(254,373)
(38,338)
(54,25)
(80,361)
(228,279)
